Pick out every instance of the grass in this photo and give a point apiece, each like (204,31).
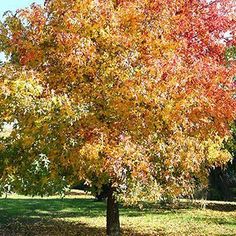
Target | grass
(82,215)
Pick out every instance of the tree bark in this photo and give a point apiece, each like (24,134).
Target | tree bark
(113,221)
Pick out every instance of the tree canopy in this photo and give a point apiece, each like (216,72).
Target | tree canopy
(134,93)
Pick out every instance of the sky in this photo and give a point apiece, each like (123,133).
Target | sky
(13,5)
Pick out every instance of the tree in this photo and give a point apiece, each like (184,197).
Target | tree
(134,95)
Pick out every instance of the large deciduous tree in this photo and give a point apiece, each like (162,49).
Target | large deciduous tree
(133,94)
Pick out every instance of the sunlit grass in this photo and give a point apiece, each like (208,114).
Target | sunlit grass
(82,215)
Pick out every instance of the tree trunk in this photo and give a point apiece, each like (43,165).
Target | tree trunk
(113,221)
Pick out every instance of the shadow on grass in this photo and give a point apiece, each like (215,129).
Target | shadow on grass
(47,227)
(38,217)
(221,207)
(64,208)
(49,208)
(43,227)
(217,220)
(45,217)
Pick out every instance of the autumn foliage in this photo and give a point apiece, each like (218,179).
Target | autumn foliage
(133,93)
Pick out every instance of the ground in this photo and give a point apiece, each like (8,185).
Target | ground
(82,215)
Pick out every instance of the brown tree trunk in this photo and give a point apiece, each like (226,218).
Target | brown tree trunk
(113,221)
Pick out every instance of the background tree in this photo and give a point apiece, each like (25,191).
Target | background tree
(135,95)
(222,181)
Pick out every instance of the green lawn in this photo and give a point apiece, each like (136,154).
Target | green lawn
(82,215)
